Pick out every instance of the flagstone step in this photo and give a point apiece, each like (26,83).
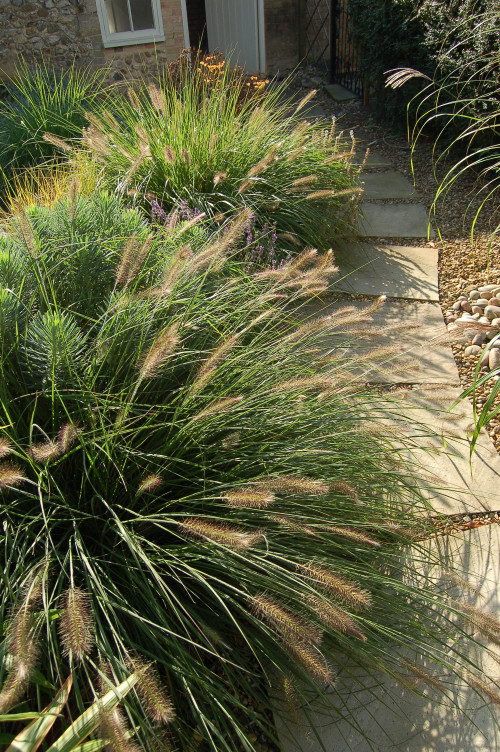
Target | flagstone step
(372,713)
(456,482)
(383,185)
(424,343)
(339,93)
(375,160)
(408,272)
(394,221)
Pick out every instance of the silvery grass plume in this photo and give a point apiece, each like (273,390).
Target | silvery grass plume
(164,445)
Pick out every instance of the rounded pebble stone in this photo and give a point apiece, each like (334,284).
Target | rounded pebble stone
(477,309)
(496,343)
(484,320)
(473,350)
(487,295)
(474,294)
(487,288)
(495,301)
(482,302)
(457,306)
(494,359)
(466,306)
(495,322)
(478,339)
(492,312)
(484,363)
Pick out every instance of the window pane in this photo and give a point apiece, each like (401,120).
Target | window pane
(142,14)
(118,18)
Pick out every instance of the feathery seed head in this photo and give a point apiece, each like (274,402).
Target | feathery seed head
(423,675)
(67,436)
(219,178)
(484,688)
(5,448)
(344,489)
(295,484)
(27,234)
(307,98)
(218,532)
(244,186)
(157,98)
(350,534)
(312,660)
(292,626)
(46,452)
(10,476)
(56,141)
(12,690)
(218,407)
(169,154)
(152,693)
(76,627)
(288,523)
(159,352)
(113,728)
(150,484)
(337,585)
(334,617)
(305,181)
(248,498)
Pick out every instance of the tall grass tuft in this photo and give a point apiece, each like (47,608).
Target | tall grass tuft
(186,510)
(42,100)
(192,141)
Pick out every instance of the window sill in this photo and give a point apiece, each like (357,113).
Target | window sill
(127,39)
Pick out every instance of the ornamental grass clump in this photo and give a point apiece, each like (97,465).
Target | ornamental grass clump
(190,140)
(190,478)
(43,100)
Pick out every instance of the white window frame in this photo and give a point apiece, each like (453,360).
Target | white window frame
(124,38)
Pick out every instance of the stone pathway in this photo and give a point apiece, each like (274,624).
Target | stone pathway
(385,717)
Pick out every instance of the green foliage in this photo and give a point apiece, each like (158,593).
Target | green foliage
(194,141)
(420,34)
(42,100)
(192,475)
(461,104)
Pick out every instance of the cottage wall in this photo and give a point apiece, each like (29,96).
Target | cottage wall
(63,31)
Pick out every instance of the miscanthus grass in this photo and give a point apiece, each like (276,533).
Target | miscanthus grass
(189,487)
(184,140)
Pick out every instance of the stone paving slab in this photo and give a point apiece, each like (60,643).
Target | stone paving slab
(457,484)
(395,271)
(375,161)
(339,93)
(382,185)
(393,221)
(425,343)
(386,717)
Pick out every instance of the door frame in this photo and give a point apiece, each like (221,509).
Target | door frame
(187,42)
(261,32)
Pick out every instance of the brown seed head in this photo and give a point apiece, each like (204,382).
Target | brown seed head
(334,617)
(292,626)
(46,452)
(76,627)
(10,476)
(150,484)
(67,437)
(295,484)
(312,660)
(160,351)
(248,498)
(337,585)
(153,694)
(113,728)
(5,448)
(352,535)
(218,532)
(218,407)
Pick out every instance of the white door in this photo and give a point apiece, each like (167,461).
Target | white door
(234,28)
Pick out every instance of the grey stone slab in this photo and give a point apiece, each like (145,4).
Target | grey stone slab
(394,221)
(374,161)
(395,271)
(339,93)
(387,185)
(437,436)
(371,713)
(423,351)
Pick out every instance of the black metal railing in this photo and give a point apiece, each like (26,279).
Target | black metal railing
(344,58)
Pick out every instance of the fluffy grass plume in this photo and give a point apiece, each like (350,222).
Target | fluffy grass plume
(217,524)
